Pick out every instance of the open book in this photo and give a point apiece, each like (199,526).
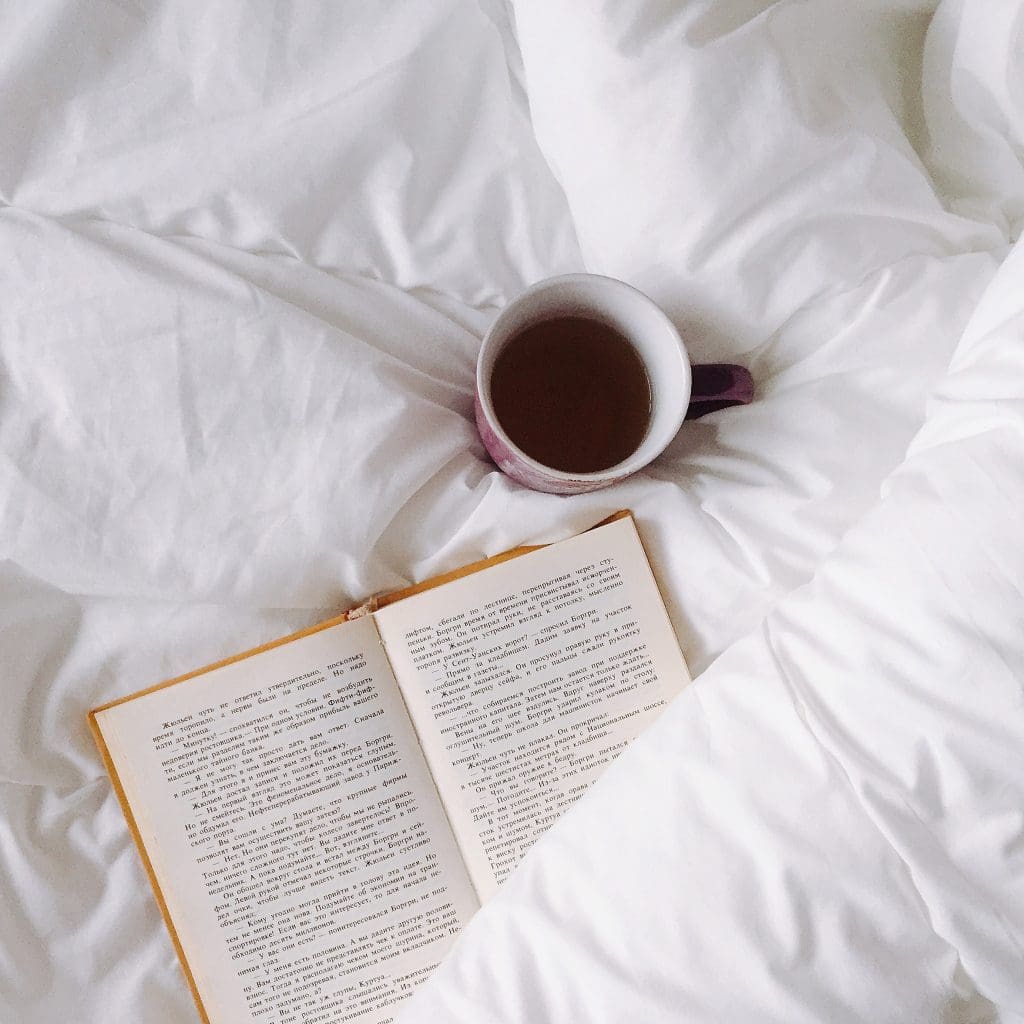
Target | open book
(321,816)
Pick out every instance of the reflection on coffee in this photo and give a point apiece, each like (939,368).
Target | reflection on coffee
(573,394)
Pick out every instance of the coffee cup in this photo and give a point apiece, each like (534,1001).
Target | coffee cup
(533,344)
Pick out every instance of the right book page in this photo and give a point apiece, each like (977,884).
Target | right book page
(524,680)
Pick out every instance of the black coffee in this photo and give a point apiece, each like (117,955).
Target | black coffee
(573,394)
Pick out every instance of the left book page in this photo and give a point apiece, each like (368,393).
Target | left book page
(291,830)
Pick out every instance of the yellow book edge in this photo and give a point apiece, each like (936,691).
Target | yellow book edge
(372,605)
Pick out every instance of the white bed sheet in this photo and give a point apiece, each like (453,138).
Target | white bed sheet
(249,252)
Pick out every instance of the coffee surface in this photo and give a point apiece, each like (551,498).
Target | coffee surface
(572,393)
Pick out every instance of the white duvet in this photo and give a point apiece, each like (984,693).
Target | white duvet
(248,252)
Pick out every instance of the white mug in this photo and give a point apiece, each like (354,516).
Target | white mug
(656,341)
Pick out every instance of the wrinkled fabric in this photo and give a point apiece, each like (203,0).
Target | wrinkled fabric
(249,252)
(829,824)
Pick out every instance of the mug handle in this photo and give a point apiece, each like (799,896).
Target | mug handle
(717,386)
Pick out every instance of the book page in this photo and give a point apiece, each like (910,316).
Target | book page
(525,679)
(294,830)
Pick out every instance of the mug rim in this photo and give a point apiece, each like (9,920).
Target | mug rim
(642,455)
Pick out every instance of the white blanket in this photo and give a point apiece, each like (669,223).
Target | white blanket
(829,824)
(249,252)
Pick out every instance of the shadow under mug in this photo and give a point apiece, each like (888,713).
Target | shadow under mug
(678,390)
